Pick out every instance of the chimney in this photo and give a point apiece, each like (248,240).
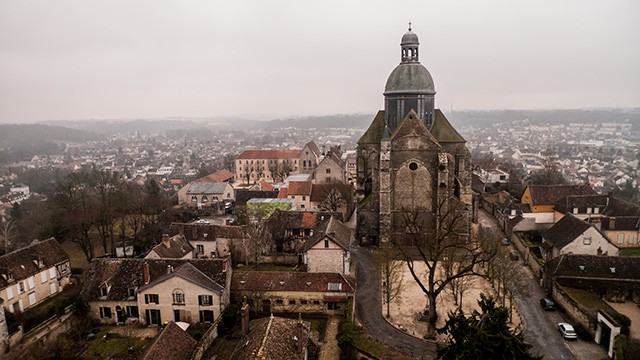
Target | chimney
(612,223)
(165,240)
(225,264)
(244,316)
(169,269)
(146,273)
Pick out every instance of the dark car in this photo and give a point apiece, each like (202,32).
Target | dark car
(505,241)
(548,304)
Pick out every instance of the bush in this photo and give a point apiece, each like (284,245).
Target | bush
(624,322)
(346,334)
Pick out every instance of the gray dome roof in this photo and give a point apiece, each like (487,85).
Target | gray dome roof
(409,38)
(410,78)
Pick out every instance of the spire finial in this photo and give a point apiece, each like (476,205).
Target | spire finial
(409,25)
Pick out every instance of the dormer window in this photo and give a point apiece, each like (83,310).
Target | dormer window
(194,199)
(335,287)
(575,210)
(596,210)
(131,293)
(589,210)
(104,291)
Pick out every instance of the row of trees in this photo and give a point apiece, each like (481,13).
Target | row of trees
(90,205)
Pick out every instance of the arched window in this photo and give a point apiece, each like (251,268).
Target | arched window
(178,296)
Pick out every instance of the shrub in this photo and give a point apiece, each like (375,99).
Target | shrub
(624,322)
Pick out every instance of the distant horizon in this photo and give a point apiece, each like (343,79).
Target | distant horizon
(268,117)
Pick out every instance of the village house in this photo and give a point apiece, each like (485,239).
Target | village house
(276,338)
(272,165)
(151,292)
(309,157)
(173,343)
(33,274)
(331,169)
(327,250)
(203,195)
(300,193)
(174,247)
(542,198)
(571,235)
(210,241)
(293,292)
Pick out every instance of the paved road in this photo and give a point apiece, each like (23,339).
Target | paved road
(369,310)
(540,328)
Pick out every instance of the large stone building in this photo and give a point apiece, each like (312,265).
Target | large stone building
(411,160)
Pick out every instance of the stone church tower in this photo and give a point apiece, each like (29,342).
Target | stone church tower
(410,160)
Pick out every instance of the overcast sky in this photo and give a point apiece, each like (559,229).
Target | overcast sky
(261,59)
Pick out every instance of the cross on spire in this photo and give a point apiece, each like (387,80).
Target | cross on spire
(409,25)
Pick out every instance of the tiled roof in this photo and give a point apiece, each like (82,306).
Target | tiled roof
(443,131)
(244,195)
(173,343)
(550,194)
(619,207)
(274,338)
(218,176)
(565,231)
(207,232)
(22,263)
(269,154)
(282,193)
(264,185)
(299,188)
(178,247)
(294,219)
(621,223)
(335,230)
(314,148)
(582,202)
(123,274)
(569,265)
(287,281)
(207,188)
(190,273)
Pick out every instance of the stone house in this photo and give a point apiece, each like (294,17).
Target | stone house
(175,247)
(293,292)
(33,274)
(327,250)
(210,241)
(203,195)
(330,170)
(300,192)
(309,157)
(272,165)
(152,292)
(571,235)
(288,228)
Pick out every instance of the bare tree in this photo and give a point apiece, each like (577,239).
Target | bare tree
(431,245)
(333,200)
(8,234)
(258,237)
(109,189)
(391,269)
(459,285)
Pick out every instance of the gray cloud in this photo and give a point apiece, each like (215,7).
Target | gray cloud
(123,59)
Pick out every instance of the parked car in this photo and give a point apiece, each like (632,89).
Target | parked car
(505,241)
(513,255)
(567,331)
(548,304)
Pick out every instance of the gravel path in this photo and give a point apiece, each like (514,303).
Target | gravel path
(330,350)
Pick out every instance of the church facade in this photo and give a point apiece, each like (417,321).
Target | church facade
(411,162)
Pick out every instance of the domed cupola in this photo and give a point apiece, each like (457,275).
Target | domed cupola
(409,86)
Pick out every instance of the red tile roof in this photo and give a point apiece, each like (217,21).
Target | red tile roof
(299,188)
(218,176)
(264,185)
(269,154)
(282,193)
(288,281)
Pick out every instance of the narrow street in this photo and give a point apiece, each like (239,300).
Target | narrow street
(540,325)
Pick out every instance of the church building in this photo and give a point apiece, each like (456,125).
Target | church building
(411,162)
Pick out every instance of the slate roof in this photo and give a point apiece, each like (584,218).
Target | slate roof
(299,188)
(625,223)
(173,343)
(218,176)
(21,262)
(123,274)
(190,273)
(619,207)
(333,229)
(597,267)
(314,148)
(269,154)
(244,195)
(287,281)
(550,194)
(565,231)
(443,131)
(178,247)
(411,125)
(207,232)
(207,188)
(582,202)
(374,132)
(274,338)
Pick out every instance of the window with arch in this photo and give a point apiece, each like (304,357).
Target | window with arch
(178,297)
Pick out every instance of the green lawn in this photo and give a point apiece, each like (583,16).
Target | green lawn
(114,346)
